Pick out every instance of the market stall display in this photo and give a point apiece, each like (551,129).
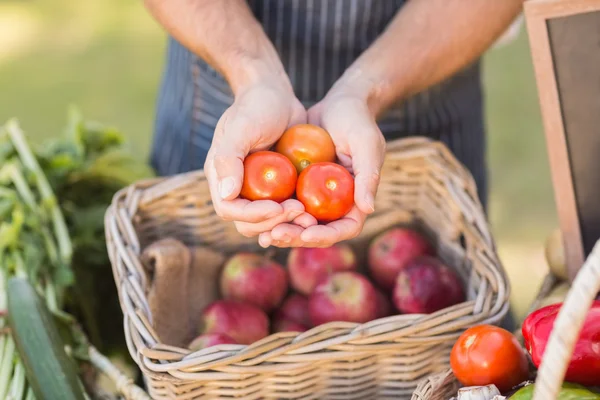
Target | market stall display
(560,339)
(408,309)
(422,187)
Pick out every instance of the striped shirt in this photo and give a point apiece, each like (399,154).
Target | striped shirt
(316,41)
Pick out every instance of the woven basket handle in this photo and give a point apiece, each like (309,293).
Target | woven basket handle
(566,329)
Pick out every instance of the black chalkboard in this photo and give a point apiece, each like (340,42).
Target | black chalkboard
(575,46)
(564,38)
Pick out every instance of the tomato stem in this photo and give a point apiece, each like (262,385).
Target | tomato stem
(304,163)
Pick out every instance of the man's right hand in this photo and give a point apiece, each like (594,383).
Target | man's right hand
(228,37)
(256,120)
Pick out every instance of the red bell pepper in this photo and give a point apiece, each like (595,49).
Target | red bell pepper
(584,367)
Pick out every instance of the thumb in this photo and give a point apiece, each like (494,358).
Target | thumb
(230,149)
(367,160)
(229,168)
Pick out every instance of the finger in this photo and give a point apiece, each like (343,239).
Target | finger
(288,232)
(291,210)
(305,220)
(265,239)
(285,245)
(320,236)
(367,159)
(343,229)
(284,235)
(248,211)
(282,245)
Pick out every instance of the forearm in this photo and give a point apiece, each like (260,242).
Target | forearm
(427,42)
(225,34)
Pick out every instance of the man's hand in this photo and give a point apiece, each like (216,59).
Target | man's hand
(255,121)
(227,36)
(360,147)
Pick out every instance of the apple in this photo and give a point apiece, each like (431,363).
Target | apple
(384,305)
(295,309)
(391,251)
(254,279)
(286,325)
(307,266)
(210,339)
(343,296)
(426,285)
(243,322)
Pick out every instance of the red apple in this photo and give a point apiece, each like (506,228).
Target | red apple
(254,279)
(210,339)
(384,305)
(426,285)
(243,322)
(286,325)
(343,296)
(295,309)
(307,266)
(392,250)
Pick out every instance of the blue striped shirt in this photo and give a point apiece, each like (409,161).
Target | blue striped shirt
(316,41)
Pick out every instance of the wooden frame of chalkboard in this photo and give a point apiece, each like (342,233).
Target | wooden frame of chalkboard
(568,109)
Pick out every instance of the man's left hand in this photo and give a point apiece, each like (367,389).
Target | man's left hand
(360,148)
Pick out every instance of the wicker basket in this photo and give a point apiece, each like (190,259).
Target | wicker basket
(561,343)
(422,184)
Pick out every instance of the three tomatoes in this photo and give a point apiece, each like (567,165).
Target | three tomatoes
(303,163)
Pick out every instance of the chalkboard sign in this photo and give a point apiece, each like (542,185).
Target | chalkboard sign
(564,38)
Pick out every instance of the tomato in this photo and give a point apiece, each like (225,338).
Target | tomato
(326,190)
(268,176)
(485,355)
(306,144)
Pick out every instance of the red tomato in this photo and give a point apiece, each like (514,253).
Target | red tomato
(485,355)
(268,176)
(326,190)
(306,144)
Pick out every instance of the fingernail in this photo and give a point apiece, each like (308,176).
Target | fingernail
(370,202)
(226,187)
(263,242)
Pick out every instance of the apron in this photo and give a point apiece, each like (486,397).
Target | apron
(316,41)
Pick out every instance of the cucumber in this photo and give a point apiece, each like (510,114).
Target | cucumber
(50,373)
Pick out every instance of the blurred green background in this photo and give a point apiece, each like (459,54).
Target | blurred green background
(107,57)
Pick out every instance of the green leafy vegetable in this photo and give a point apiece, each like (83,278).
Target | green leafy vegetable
(57,243)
